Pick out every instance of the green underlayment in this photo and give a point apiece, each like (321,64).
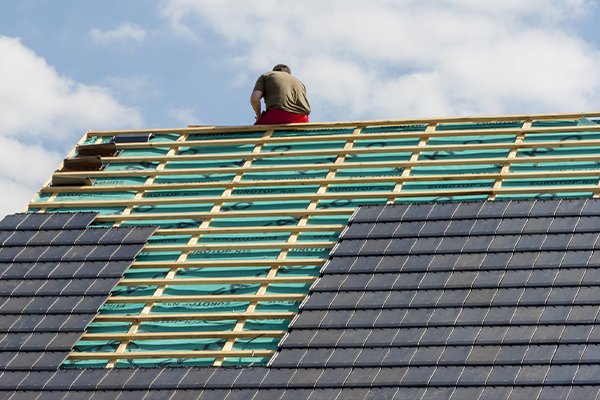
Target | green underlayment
(288,187)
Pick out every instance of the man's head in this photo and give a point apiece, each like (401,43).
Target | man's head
(282,67)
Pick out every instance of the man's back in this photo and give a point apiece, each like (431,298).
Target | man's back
(284,92)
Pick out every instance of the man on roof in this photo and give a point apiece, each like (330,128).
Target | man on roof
(285,98)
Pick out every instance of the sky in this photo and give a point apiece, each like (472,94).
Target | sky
(69,66)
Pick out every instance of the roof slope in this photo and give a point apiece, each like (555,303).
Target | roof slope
(247,215)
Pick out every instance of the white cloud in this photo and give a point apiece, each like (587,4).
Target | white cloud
(394,59)
(125,33)
(185,116)
(42,116)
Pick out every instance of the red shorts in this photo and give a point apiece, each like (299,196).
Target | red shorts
(276,116)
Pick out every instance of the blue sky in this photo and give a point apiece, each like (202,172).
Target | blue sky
(67,66)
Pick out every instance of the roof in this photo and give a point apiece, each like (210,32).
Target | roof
(246,218)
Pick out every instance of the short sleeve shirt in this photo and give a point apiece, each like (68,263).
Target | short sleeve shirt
(284,92)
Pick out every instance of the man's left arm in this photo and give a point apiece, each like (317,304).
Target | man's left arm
(255,101)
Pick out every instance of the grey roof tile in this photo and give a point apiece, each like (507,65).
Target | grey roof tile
(417,376)
(555,392)
(185,394)
(361,377)
(336,319)
(222,378)
(455,355)
(353,338)
(467,209)
(372,231)
(495,334)
(504,375)
(326,338)
(408,336)
(537,225)
(583,393)
(248,378)
(288,358)
(436,336)
(416,212)
(483,355)
(399,356)
(587,374)
(446,375)
(408,229)
(368,213)
(444,316)
(314,357)
(525,392)
(363,319)
(333,377)
(427,355)
(88,379)
(511,355)
(390,318)
(371,357)
(383,393)
(463,335)
(342,358)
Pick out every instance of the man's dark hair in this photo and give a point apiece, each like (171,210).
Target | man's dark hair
(282,67)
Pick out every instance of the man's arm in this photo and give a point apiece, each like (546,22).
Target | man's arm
(255,101)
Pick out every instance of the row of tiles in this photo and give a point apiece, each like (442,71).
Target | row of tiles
(424,317)
(472,227)
(55,287)
(64,270)
(462,262)
(78,237)
(47,221)
(50,305)
(39,341)
(344,357)
(32,360)
(29,323)
(459,279)
(377,393)
(477,209)
(282,378)
(443,336)
(41,254)
(467,244)
(445,298)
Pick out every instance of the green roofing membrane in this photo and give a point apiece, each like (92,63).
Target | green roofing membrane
(233,254)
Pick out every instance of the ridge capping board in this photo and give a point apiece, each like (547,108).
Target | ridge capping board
(360,137)
(311,125)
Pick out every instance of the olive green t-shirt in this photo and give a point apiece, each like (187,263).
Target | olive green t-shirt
(284,92)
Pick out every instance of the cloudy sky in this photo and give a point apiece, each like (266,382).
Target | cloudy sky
(68,66)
